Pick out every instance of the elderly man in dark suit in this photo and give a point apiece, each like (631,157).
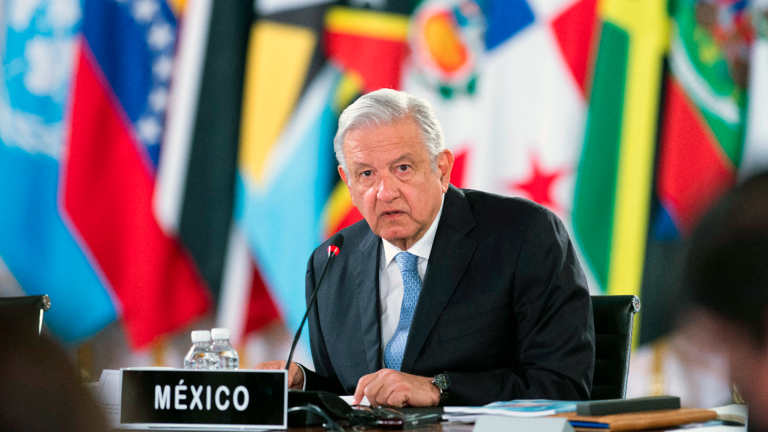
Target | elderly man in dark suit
(441,295)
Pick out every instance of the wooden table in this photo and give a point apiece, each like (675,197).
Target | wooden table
(443,426)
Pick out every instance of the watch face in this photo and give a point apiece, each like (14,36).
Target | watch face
(441,381)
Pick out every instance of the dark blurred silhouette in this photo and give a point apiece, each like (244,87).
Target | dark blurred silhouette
(25,311)
(726,288)
(40,389)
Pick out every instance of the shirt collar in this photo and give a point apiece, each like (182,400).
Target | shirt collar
(421,248)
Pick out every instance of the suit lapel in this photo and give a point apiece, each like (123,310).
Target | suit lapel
(365,280)
(451,252)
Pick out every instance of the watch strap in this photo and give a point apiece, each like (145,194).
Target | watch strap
(443,384)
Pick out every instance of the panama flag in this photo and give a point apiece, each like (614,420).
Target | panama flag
(507,83)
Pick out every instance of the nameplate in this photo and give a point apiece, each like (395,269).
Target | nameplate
(191,399)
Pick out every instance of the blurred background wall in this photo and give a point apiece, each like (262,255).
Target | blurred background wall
(167,165)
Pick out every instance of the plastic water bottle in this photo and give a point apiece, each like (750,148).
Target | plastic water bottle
(228,358)
(200,355)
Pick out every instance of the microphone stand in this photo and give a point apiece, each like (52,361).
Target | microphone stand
(333,250)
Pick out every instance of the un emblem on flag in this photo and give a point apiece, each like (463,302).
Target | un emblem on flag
(38,56)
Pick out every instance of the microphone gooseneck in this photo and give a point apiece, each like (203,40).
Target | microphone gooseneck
(333,250)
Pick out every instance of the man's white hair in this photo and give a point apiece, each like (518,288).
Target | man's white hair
(386,106)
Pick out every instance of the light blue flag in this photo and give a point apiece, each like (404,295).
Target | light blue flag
(36,242)
(281,217)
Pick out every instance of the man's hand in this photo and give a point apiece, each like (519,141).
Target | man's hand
(295,373)
(396,389)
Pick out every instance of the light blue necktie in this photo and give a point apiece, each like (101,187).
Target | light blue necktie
(408,263)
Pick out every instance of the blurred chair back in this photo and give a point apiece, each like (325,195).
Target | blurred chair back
(614,316)
(26,312)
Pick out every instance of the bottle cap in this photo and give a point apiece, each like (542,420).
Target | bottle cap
(220,333)
(201,336)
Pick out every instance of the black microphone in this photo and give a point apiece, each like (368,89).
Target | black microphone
(333,250)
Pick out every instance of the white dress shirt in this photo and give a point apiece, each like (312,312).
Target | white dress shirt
(391,281)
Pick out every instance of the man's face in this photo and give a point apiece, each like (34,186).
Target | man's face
(391,180)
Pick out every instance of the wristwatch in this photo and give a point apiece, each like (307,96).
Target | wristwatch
(443,384)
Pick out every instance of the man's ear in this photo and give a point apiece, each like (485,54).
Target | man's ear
(343,176)
(444,167)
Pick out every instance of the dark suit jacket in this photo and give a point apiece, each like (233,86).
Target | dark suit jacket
(504,307)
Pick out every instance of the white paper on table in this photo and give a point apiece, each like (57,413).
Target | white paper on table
(735,413)
(514,408)
(350,399)
(107,395)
